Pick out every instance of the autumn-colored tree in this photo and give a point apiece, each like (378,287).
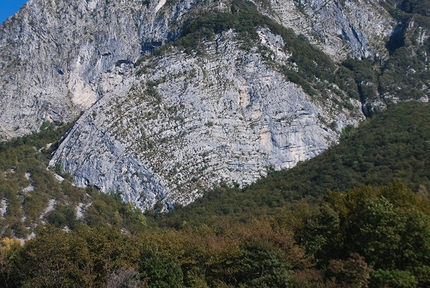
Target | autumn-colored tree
(388,226)
(9,259)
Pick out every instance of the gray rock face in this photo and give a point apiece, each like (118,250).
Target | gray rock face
(58,58)
(192,122)
(341,28)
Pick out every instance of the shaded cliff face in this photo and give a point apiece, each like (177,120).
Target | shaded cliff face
(340,28)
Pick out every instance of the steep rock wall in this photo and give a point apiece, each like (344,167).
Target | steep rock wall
(189,123)
(340,28)
(58,58)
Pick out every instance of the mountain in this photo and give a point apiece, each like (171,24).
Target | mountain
(392,146)
(281,225)
(173,97)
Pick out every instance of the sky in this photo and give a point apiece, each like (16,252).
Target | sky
(9,7)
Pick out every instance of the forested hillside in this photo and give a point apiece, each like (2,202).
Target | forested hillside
(315,225)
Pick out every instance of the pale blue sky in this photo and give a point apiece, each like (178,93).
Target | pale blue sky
(9,7)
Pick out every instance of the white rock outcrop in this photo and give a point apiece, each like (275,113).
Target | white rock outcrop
(189,123)
(57,58)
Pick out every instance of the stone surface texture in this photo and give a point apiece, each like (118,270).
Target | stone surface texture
(354,28)
(191,122)
(57,58)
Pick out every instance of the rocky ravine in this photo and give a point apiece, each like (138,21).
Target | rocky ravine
(174,125)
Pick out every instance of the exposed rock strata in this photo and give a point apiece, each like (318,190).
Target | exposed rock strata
(341,28)
(58,58)
(191,122)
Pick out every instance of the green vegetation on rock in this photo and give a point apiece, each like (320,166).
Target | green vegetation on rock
(30,194)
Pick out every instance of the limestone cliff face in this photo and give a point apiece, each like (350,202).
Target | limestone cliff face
(164,128)
(58,58)
(341,28)
(190,122)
